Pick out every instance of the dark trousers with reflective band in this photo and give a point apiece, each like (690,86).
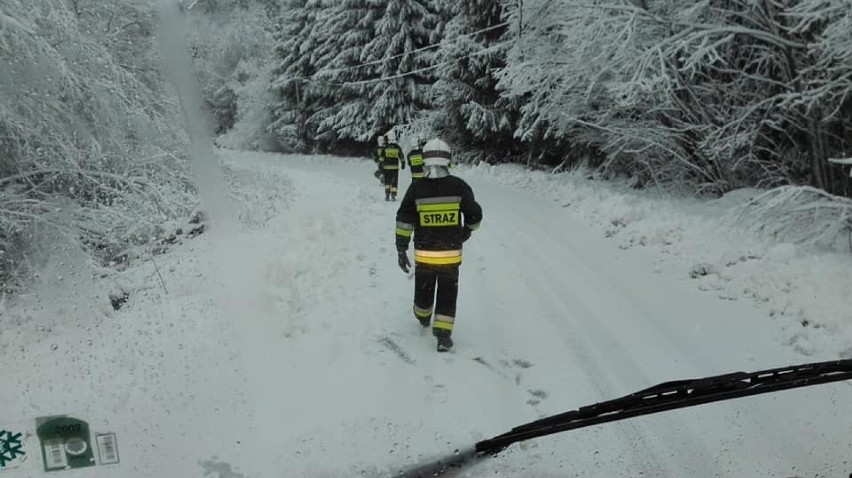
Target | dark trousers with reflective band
(391,180)
(438,285)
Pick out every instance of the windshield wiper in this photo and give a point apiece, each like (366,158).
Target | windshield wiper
(659,398)
(673,395)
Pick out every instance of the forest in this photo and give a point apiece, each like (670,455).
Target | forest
(685,97)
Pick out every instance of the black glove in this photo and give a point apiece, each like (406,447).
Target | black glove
(403,261)
(466,234)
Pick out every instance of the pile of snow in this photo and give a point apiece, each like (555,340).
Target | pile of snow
(801,286)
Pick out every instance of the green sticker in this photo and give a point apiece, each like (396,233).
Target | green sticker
(65,443)
(13,446)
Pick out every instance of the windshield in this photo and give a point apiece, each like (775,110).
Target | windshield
(210,269)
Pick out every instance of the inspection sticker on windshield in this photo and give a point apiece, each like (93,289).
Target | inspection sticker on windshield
(13,446)
(107,448)
(65,443)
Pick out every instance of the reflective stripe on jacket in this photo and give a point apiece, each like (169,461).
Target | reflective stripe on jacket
(392,156)
(436,212)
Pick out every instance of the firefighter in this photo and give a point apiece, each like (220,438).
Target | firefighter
(378,156)
(441,212)
(415,160)
(392,159)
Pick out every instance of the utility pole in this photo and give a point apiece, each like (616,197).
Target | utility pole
(520,17)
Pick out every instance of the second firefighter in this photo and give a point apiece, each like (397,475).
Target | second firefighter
(391,160)
(415,159)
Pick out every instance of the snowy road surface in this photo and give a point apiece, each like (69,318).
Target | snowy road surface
(288,349)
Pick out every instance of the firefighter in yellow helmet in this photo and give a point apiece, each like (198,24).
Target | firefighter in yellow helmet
(440,212)
(392,159)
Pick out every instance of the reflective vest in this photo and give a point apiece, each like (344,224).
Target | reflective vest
(415,161)
(392,155)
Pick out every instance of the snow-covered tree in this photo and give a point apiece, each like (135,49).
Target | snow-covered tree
(717,94)
(298,98)
(87,143)
(473,49)
(828,79)
(366,62)
(576,69)
(747,68)
(348,29)
(232,42)
(403,29)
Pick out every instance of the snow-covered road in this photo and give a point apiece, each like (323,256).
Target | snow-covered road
(288,348)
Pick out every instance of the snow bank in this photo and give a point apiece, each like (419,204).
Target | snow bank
(802,287)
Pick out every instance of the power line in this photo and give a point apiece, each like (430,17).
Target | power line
(429,47)
(538,14)
(541,11)
(421,70)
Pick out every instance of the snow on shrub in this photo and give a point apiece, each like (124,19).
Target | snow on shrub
(801,215)
(87,136)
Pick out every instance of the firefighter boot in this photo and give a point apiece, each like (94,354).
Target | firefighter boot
(424,316)
(445,343)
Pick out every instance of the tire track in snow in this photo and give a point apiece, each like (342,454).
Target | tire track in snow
(554,297)
(550,311)
(563,278)
(651,324)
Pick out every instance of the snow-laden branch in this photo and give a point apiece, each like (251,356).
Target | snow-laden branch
(745,93)
(87,140)
(801,215)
